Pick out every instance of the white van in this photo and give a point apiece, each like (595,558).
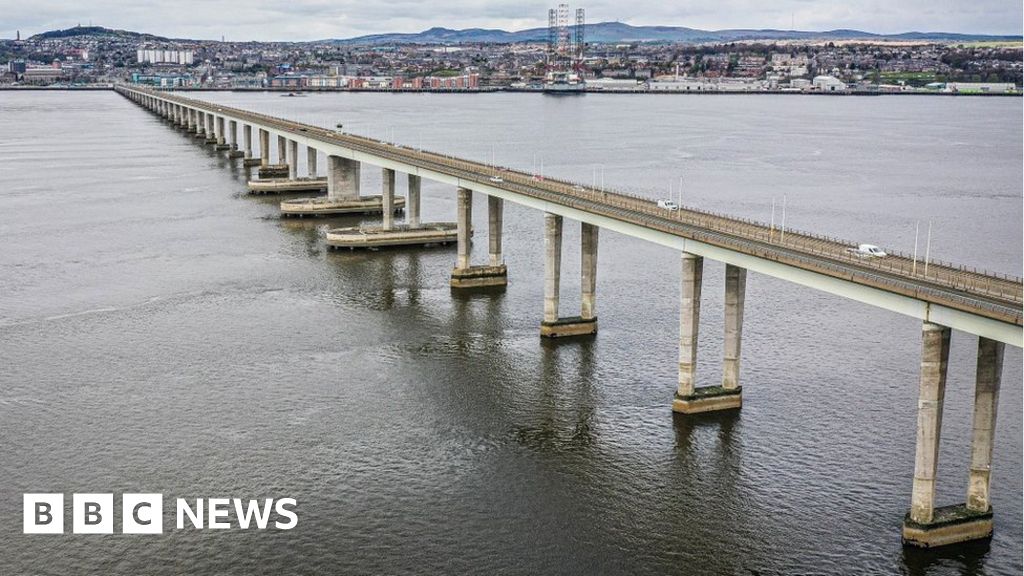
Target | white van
(668,205)
(870,250)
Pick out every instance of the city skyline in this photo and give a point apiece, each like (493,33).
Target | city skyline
(307,20)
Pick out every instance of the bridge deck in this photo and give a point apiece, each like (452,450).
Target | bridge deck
(985,294)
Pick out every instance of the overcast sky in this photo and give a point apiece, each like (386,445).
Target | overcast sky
(318,19)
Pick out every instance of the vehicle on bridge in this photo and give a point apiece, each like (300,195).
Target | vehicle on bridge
(668,205)
(869,250)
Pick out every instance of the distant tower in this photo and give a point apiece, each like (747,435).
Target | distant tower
(19,36)
(565,43)
(578,40)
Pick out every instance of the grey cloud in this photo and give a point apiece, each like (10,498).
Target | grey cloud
(316,19)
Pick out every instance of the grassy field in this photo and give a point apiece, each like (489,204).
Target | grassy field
(910,78)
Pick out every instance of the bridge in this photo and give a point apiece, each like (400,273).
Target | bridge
(944,296)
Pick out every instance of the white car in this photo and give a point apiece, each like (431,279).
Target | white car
(668,205)
(496,179)
(870,250)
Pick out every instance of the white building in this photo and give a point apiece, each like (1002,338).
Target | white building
(612,84)
(162,56)
(828,84)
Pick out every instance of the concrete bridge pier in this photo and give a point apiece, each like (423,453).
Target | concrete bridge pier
(554,326)
(211,134)
(925,525)
(311,168)
(282,150)
(494,274)
(293,160)
(388,199)
(200,123)
(281,169)
(222,141)
(343,197)
(233,140)
(264,148)
(247,142)
(413,200)
(342,178)
(690,399)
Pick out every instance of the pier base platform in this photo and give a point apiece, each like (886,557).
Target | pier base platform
(708,399)
(236,154)
(566,327)
(273,171)
(949,525)
(480,277)
(431,233)
(211,141)
(250,162)
(222,147)
(336,206)
(278,185)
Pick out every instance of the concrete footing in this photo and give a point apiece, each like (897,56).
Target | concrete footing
(432,233)
(273,171)
(708,399)
(250,162)
(210,140)
(949,525)
(334,206)
(222,147)
(566,327)
(278,185)
(236,154)
(480,277)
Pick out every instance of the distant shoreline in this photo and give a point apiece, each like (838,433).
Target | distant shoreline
(531,91)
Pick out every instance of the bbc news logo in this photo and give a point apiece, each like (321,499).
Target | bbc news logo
(144,513)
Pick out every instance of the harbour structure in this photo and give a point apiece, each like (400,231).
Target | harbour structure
(566,44)
(943,296)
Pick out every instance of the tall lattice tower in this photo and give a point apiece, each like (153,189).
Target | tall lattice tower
(565,42)
(578,40)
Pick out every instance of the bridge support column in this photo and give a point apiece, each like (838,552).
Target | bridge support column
(211,134)
(925,525)
(553,325)
(388,198)
(311,168)
(495,217)
(464,221)
(293,160)
(264,148)
(199,122)
(413,201)
(282,150)
(689,398)
(222,141)
(735,294)
(247,140)
(342,178)
(494,275)
(588,273)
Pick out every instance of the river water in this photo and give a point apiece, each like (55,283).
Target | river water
(161,331)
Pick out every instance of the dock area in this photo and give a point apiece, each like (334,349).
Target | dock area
(273,171)
(327,206)
(280,186)
(430,233)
